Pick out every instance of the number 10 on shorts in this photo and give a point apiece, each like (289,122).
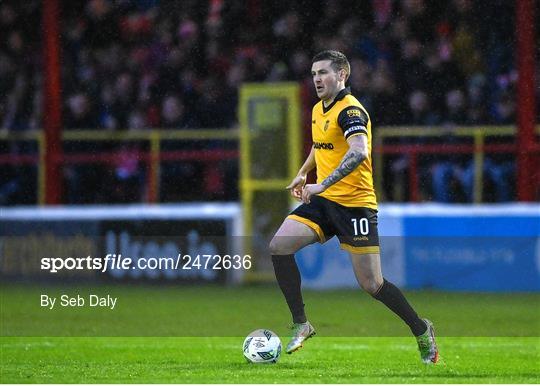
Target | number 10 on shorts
(361,226)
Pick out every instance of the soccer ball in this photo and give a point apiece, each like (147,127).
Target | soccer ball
(262,346)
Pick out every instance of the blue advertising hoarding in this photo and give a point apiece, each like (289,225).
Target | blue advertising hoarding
(446,247)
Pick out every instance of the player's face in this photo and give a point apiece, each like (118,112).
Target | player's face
(326,79)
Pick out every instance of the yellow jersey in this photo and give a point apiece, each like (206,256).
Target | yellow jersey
(331,126)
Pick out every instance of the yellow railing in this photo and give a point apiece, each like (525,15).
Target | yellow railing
(156,136)
(477,133)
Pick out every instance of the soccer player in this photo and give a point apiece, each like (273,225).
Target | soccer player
(341,203)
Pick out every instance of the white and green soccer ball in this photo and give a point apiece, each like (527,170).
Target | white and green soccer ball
(262,346)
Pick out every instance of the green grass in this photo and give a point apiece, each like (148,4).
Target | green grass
(218,311)
(182,334)
(219,360)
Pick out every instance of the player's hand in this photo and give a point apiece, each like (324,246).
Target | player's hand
(296,186)
(311,189)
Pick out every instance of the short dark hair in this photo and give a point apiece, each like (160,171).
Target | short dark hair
(338,60)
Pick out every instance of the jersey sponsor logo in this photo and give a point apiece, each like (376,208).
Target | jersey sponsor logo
(354,113)
(355,129)
(323,145)
(360,238)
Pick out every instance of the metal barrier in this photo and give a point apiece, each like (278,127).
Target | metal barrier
(155,155)
(478,149)
(152,157)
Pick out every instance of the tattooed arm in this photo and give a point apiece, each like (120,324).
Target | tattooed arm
(350,161)
(358,151)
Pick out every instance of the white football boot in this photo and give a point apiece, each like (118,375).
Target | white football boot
(301,333)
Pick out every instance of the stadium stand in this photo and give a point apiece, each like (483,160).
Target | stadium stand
(161,63)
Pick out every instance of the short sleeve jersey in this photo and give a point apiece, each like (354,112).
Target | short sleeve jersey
(331,126)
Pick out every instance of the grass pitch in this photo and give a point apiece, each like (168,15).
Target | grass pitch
(219,360)
(171,335)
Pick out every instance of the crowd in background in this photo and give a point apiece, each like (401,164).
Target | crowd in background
(143,64)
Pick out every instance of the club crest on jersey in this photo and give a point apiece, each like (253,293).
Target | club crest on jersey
(353,113)
(326,125)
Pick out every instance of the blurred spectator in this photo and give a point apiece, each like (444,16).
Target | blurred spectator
(388,105)
(127,179)
(455,112)
(504,111)
(137,120)
(160,63)
(174,115)
(499,174)
(79,112)
(130,55)
(217,104)
(477,110)
(420,111)
(447,169)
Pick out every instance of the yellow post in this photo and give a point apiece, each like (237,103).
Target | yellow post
(269,94)
(478,165)
(294,132)
(155,150)
(270,155)
(245,172)
(247,209)
(41,179)
(378,164)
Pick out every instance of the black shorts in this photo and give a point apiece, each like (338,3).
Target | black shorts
(355,227)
